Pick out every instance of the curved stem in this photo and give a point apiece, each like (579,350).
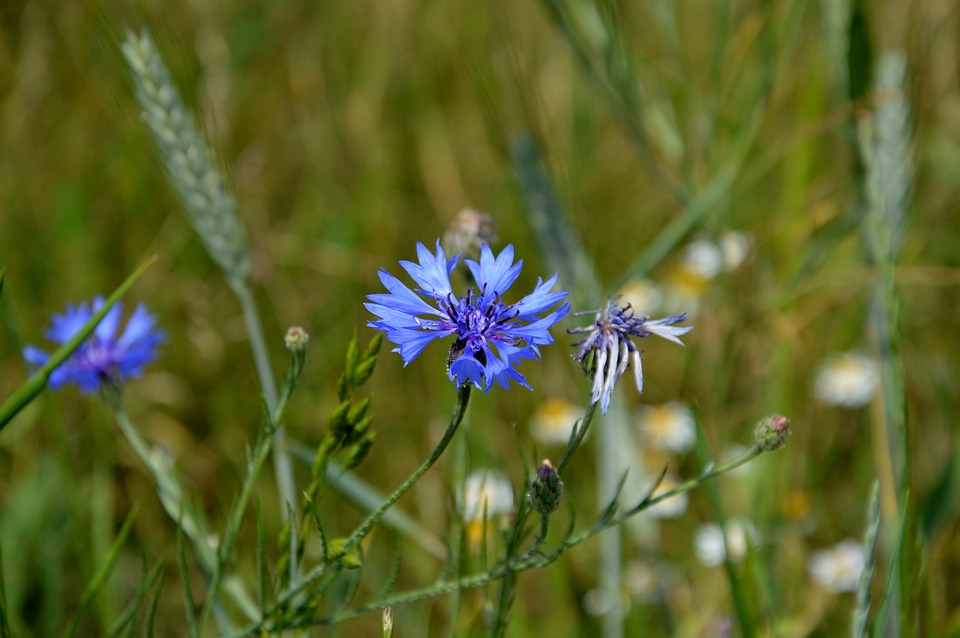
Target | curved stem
(463,397)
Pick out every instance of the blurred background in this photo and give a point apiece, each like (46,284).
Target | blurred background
(705,158)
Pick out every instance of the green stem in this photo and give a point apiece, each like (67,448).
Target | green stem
(463,398)
(171,497)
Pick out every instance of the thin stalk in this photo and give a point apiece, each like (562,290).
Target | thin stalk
(282,466)
(463,398)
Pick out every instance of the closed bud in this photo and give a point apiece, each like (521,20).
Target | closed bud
(296,340)
(546,489)
(772,432)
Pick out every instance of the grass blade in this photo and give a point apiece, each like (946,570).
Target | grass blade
(100,577)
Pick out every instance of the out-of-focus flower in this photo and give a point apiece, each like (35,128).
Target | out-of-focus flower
(709,546)
(553,421)
(492,337)
(838,568)
(669,508)
(470,230)
(641,578)
(734,246)
(486,492)
(669,427)
(701,261)
(643,296)
(105,358)
(487,495)
(704,258)
(848,379)
(596,602)
(608,349)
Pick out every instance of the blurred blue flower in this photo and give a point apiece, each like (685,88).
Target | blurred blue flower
(608,349)
(104,358)
(492,337)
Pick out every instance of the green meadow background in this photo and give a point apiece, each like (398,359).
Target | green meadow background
(351,130)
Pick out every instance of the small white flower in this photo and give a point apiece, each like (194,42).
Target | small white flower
(709,545)
(672,507)
(704,258)
(596,602)
(838,568)
(668,427)
(486,492)
(848,379)
(643,295)
(553,421)
(735,246)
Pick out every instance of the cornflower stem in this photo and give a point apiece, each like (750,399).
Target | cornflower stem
(513,565)
(576,440)
(459,409)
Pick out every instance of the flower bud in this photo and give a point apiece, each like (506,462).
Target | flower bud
(546,489)
(296,339)
(772,432)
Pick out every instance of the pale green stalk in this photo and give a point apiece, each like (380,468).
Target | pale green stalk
(212,211)
(171,497)
(513,565)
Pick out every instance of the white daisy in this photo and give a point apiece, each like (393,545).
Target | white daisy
(838,568)
(668,427)
(553,421)
(848,379)
(709,545)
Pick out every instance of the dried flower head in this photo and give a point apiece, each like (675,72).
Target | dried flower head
(105,358)
(470,230)
(608,349)
(491,336)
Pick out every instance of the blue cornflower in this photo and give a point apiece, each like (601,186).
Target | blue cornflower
(492,337)
(608,350)
(104,358)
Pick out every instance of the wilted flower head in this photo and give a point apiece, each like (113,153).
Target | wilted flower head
(492,337)
(838,568)
(470,230)
(848,379)
(608,349)
(105,358)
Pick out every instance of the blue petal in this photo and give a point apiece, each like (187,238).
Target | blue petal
(108,325)
(539,300)
(68,324)
(433,271)
(35,356)
(494,275)
(402,298)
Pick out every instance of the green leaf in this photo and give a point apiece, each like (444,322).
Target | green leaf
(100,576)
(943,503)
